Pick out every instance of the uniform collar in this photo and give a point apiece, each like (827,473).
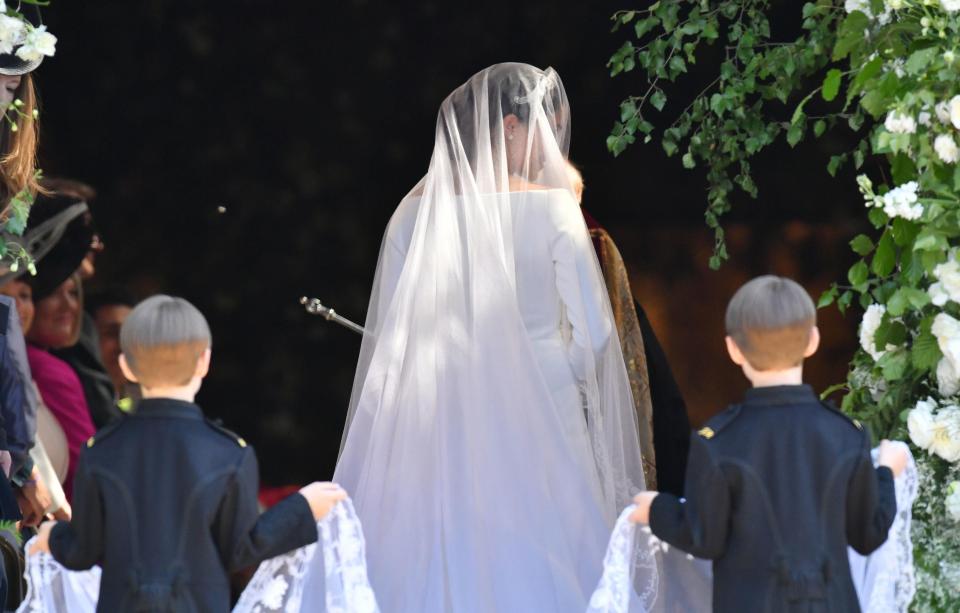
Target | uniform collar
(168,407)
(781,394)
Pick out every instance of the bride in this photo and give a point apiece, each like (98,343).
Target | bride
(491,440)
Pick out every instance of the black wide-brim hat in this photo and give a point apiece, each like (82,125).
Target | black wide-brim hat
(11,64)
(58,236)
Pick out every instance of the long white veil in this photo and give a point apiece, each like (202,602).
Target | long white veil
(474,492)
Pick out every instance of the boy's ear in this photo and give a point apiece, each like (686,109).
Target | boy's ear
(203,364)
(814,343)
(125,369)
(735,354)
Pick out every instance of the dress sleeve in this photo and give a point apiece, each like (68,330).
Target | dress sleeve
(871,503)
(244,537)
(700,523)
(579,284)
(78,544)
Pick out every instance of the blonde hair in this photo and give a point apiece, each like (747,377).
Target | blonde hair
(576,180)
(770,319)
(18,149)
(162,340)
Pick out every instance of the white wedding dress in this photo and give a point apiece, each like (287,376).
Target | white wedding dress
(491,439)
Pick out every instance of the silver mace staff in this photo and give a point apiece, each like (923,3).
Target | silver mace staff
(315,307)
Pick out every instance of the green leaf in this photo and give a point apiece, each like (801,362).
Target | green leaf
(874,102)
(893,364)
(918,60)
(835,162)
(917,297)
(831,84)
(850,34)
(857,275)
(925,354)
(688,161)
(869,70)
(678,64)
(904,232)
(795,133)
(897,304)
(819,127)
(645,25)
(827,297)
(861,244)
(903,169)
(843,302)
(877,217)
(658,99)
(885,256)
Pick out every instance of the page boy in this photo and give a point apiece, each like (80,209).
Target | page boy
(165,500)
(779,485)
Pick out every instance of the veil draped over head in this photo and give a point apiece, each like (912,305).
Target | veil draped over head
(491,439)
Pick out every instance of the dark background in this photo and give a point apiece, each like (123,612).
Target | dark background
(308,121)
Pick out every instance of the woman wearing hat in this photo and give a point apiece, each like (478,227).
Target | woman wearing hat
(58,237)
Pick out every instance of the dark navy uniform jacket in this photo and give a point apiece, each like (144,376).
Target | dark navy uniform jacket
(166,503)
(776,489)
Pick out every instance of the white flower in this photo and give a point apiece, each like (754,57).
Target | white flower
(949,56)
(954,106)
(901,201)
(947,331)
(950,5)
(38,43)
(894,5)
(946,149)
(952,501)
(868,330)
(942,110)
(920,423)
(948,281)
(938,295)
(923,118)
(900,123)
(12,33)
(948,379)
(946,434)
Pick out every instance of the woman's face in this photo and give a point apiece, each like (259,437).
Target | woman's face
(55,322)
(23,294)
(8,90)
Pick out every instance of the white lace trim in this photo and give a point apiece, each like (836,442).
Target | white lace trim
(625,554)
(278,582)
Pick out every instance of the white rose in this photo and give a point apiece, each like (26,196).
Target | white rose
(38,43)
(920,423)
(946,149)
(938,295)
(900,123)
(942,109)
(952,501)
(868,330)
(948,379)
(946,434)
(948,277)
(950,5)
(954,106)
(12,32)
(947,331)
